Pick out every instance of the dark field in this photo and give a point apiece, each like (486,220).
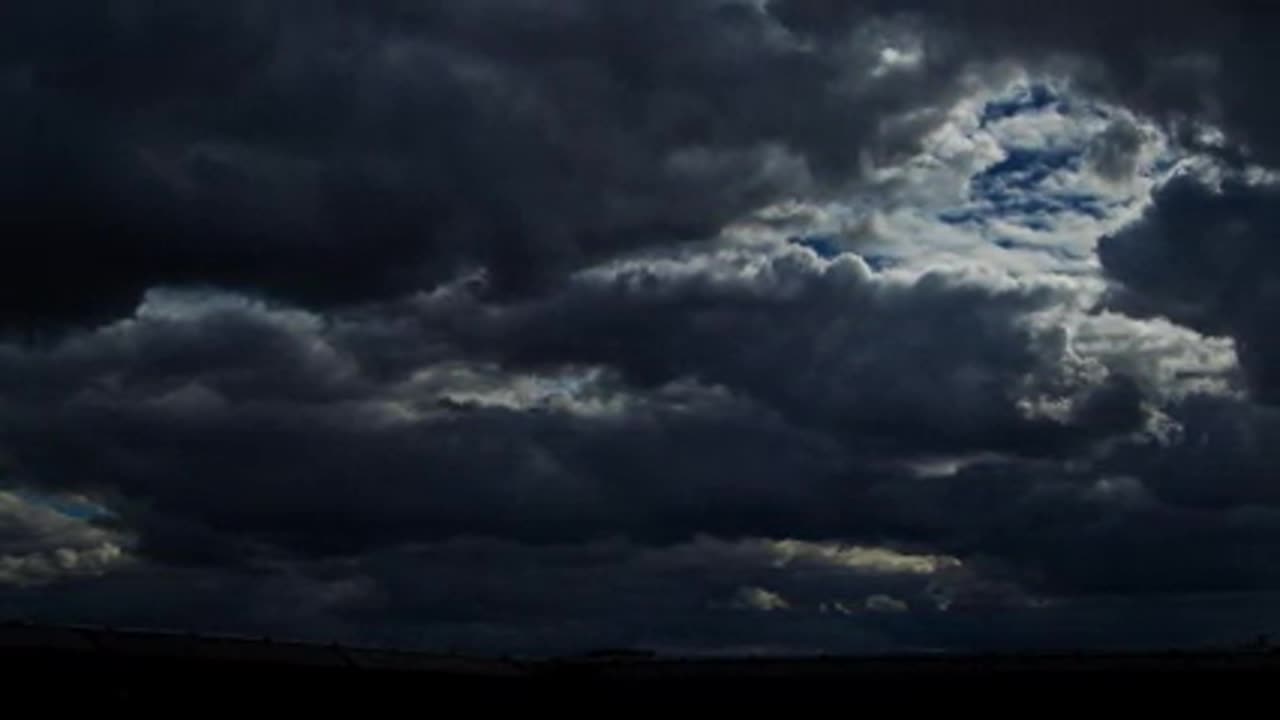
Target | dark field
(62,667)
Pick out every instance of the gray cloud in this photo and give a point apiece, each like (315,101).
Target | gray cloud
(235,461)
(41,544)
(1203,255)
(340,153)
(946,361)
(475,324)
(449,450)
(1190,63)
(1115,153)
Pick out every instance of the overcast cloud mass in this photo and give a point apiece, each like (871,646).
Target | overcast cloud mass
(696,325)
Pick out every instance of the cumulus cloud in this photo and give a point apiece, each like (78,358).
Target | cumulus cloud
(535,326)
(1202,255)
(833,344)
(244,437)
(50,540)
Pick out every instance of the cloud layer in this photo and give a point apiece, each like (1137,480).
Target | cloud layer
(706,326)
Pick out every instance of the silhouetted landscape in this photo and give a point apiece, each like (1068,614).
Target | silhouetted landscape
(145,668)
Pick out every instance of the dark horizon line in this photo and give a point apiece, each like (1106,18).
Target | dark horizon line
(100,638)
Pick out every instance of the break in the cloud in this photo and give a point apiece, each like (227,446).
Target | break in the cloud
(717,325)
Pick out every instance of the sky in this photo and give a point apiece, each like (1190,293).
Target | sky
(702,326)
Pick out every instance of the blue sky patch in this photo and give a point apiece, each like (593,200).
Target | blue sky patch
(961,216)
(1023,170)
(1034,98)
(72,508)
(824,245)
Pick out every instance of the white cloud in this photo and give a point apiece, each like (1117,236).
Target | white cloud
(858,558)
(1172,361)
(758,599)
(893,60)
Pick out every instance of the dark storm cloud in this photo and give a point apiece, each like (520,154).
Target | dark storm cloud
(492,596)
(321,481)
(1206,256)
(276,436)
(1122,527)
(220,428)
(663,445)
(333,153)
(1223,459)
(942,363)
(220,454)
(332,505)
